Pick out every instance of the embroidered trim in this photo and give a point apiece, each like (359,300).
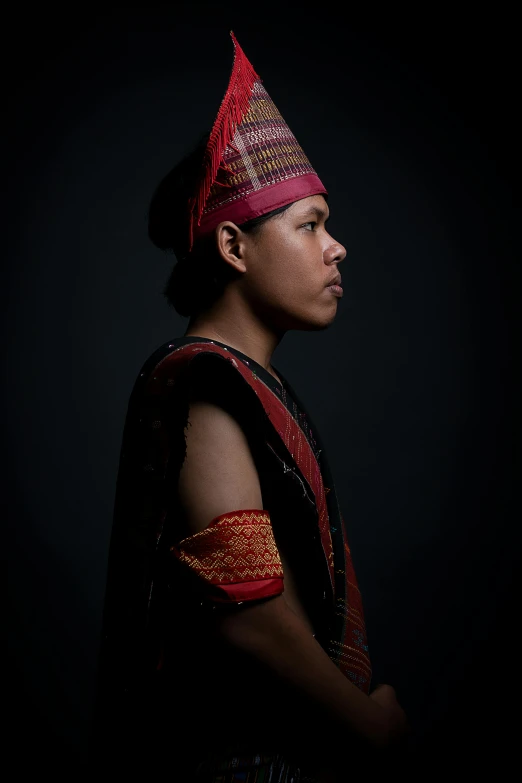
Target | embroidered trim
(238,546)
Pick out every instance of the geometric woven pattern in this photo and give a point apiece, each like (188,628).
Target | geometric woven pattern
(264,151)
(252,162)
(238,546)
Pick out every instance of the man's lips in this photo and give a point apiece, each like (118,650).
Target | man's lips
(336,280)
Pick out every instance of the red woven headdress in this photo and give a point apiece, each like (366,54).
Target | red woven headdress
(252,163)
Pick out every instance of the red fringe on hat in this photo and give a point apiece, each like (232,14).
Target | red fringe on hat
(233,108)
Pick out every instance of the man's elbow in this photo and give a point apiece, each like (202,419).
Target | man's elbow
(252,627)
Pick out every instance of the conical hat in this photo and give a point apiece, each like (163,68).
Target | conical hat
(253,162)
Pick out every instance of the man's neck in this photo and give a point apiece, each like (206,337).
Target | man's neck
(252,339)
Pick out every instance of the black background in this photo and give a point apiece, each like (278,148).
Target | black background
(409,118)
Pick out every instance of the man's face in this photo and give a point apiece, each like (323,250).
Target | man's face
(290,262)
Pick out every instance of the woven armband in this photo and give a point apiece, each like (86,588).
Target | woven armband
(235,557)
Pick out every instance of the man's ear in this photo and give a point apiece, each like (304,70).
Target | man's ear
(230,243)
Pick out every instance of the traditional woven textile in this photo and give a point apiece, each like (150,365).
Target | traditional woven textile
(252,768)
(158,657)
(235,557)
(346,641)
(253,162)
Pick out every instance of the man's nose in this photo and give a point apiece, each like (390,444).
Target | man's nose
(334,253)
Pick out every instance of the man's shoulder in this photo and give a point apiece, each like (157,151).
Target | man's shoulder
(173,361)
(179,352)
(198,369)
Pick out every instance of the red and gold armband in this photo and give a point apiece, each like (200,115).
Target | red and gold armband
(235,557)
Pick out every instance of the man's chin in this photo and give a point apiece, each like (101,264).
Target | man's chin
(315,326)
(307,321)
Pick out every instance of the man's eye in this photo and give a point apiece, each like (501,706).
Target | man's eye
(311,223)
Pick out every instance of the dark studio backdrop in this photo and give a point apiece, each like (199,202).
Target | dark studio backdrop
(409,120)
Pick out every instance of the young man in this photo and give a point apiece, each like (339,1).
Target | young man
(234,641)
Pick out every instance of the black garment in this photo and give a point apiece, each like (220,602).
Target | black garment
(204,698)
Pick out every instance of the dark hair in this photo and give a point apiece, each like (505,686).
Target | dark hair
(198,278)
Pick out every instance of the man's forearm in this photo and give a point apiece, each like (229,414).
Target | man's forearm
(274,635)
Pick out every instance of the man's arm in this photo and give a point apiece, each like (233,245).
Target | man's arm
(219,475)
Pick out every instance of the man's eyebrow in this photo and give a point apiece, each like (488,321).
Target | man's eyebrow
(321,213)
